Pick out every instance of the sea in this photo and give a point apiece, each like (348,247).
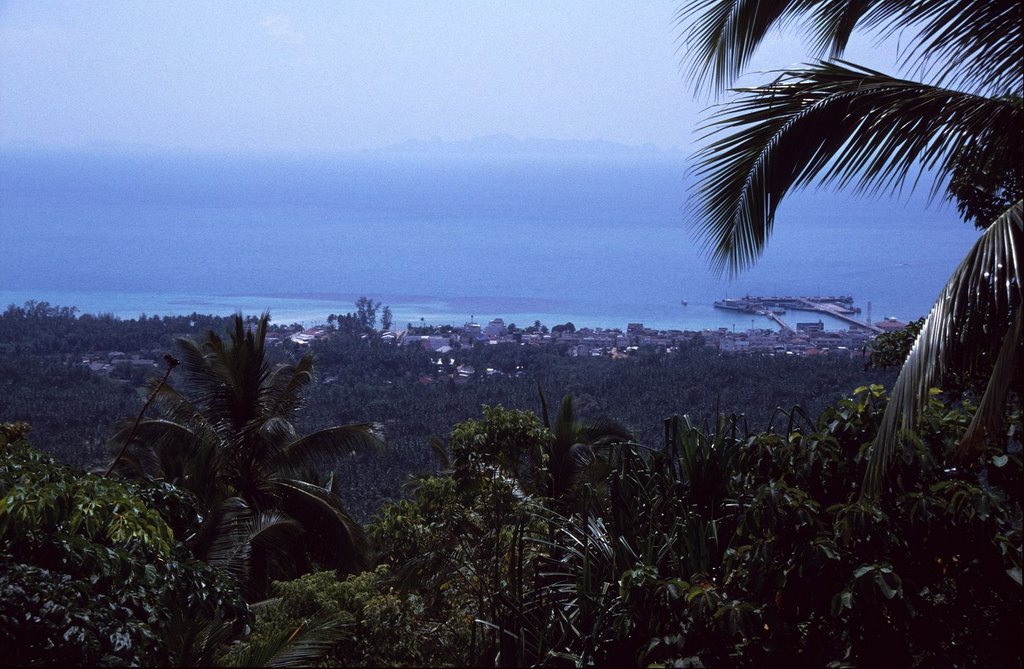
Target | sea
(601,241)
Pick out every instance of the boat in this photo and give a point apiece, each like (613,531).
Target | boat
(683,302)
(735,305)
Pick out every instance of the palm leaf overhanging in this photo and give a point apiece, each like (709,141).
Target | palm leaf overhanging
(833,122)
(966,43)
(974,326)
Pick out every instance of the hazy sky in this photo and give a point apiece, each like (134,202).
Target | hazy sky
(337,76)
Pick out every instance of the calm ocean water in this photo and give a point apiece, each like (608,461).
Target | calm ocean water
(600,242)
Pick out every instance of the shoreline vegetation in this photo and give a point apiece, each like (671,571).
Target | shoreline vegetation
(312,309)
(811,336)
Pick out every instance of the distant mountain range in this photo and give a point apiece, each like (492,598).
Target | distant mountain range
(505,145)
(490,145)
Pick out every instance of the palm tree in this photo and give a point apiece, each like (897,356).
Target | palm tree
(572,449)
(834,122)
(229,440)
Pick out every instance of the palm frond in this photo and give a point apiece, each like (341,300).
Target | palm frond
(331,442)
(273,434)
(195,465)
(208,380)
(153,436)
(965,42)
(572,447)
(581,455)
(565,422)
(722,36)
(835,123)
(240,531)
(152,430)
(988,420)
(227,377)
(168,450)
(344,541)
(604,431)
(543,407)
(437,446)
(973,326)
(194,639)
(281,394)
(303,646)
(430,568)
(201,377)
(175,406)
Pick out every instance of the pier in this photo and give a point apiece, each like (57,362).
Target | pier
(768,313)
(836,311)
(839,307)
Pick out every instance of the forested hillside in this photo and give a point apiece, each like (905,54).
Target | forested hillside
(358,377)
(219,535)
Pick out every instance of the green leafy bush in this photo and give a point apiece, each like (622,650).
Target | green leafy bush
(382,626)
(91,575)
(729,549)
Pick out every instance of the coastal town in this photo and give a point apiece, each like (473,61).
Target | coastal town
(801,338)
(807,338)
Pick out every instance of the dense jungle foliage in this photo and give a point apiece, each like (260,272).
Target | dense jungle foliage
(368,380)
(717,548)
(549,535)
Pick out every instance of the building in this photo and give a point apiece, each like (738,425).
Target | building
(890,324)
(810,327)
(495,328)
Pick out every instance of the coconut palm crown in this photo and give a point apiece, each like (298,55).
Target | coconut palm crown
(834,122)
(228,438)
(573,449)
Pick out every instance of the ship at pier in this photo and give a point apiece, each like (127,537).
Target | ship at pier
(756,304)
(838,306)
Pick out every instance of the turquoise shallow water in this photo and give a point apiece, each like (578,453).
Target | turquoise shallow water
(314,310)
(598,242)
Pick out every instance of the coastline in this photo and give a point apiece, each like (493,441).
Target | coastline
(310,309)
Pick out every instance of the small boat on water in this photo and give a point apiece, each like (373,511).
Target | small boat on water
(683,302)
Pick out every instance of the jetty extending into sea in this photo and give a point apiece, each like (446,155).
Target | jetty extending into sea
(837,306)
